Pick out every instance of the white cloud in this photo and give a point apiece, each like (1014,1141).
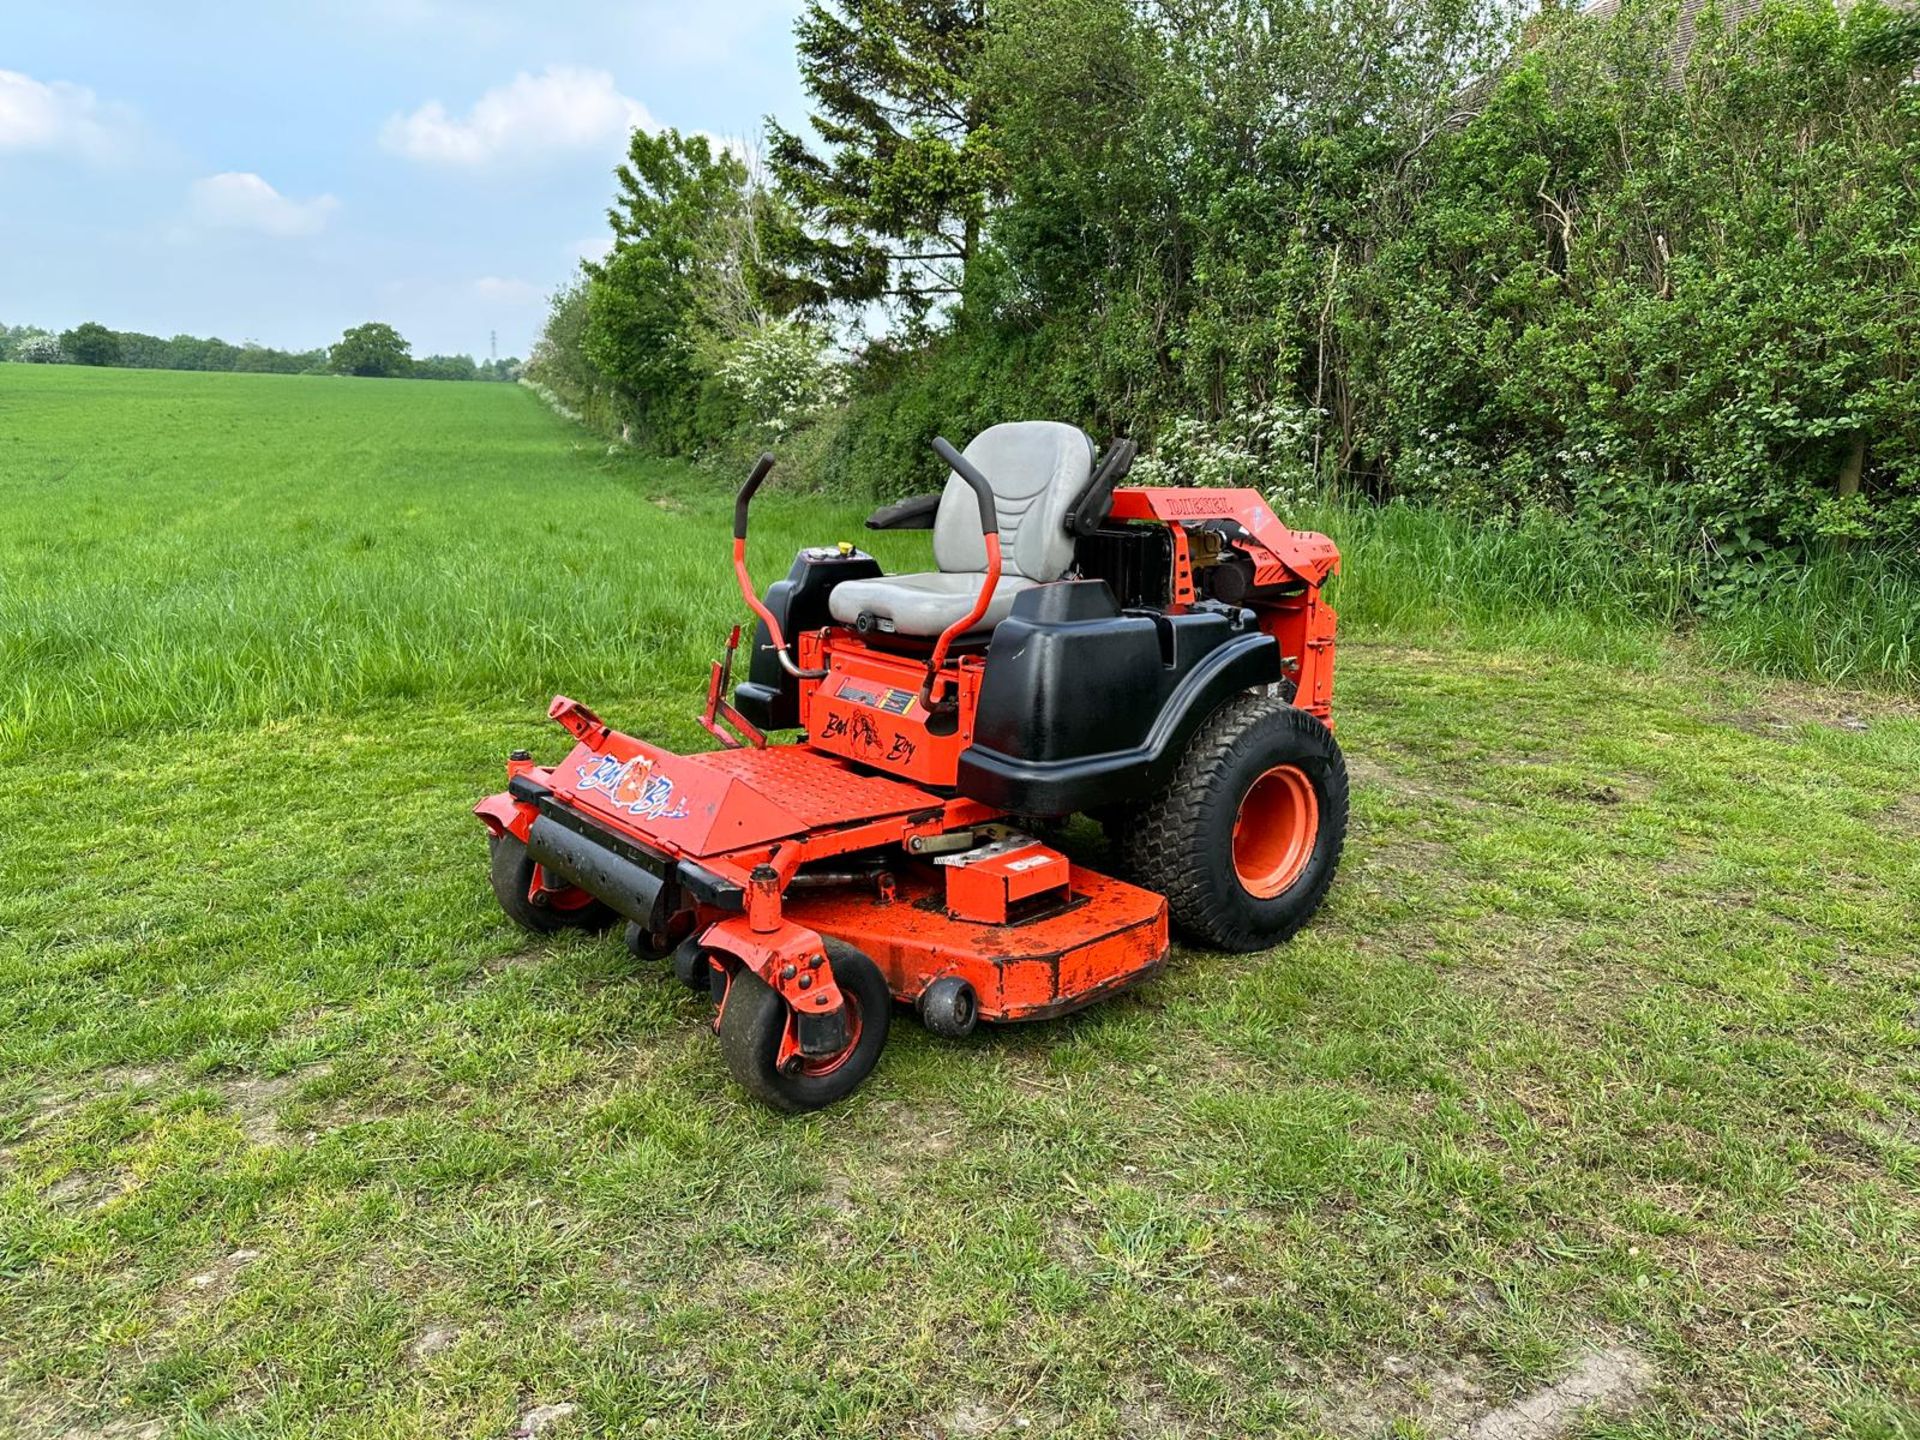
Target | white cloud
(506,291)
(595,247)
(240,201)
(562,108)
(59,117)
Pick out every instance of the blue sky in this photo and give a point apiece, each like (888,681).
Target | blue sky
(276,172)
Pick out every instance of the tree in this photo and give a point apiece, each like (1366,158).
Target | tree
(371,349)
(186,352)
(445,367)
(12,338)
(643,311)
(91,344)
(783,376)
(895,205)
(142,352)
(41,349)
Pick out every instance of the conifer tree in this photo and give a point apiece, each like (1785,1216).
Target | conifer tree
(892,207)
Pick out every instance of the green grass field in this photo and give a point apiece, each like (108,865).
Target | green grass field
(1602,1063)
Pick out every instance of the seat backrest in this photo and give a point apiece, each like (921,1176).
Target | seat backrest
(1038,469)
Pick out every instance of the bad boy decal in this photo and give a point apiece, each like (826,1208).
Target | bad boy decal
(632,785)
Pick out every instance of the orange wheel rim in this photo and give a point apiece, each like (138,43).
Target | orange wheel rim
(1274,833)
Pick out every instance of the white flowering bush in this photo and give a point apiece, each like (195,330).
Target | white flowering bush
(1441,461)
(552,401)
(41,350)
(1265,447)
(783,376)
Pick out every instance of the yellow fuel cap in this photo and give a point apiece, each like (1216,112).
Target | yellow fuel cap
(846,547)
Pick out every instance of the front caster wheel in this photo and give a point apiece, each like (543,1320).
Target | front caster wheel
(510,869)
(755,1017)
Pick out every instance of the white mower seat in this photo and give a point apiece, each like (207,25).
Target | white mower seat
(924,604)
(1038,469)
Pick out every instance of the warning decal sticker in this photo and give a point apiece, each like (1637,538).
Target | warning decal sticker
(893,702)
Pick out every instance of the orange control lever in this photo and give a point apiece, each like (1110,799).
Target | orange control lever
(754,602)
(990,534)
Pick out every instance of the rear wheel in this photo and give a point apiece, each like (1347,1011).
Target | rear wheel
(1245,838)
(755,1017)
(510,869)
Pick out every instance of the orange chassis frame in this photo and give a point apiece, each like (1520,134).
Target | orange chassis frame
(734,829)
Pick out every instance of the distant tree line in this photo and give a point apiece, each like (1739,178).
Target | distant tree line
(374,349)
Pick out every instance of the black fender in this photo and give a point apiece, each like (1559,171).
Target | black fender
(1035,783)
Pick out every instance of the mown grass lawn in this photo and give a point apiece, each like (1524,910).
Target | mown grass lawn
(1604,1058)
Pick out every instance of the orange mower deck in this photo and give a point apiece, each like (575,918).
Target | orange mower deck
(728,814)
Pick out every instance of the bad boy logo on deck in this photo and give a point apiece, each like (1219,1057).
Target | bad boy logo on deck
(632,785)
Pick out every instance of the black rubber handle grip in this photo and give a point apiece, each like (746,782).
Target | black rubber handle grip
(1090,511)
(745,497)
(982,489)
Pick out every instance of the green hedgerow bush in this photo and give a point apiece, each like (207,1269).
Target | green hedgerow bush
(1640,288)
(1668,292)
(1682,300)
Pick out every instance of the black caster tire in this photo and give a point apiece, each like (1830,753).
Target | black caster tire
(510,870)
(691,967)
(755,1014)
(1246,837)
(949,1008)
(640,944)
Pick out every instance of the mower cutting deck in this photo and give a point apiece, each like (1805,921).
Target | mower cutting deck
(1158,658)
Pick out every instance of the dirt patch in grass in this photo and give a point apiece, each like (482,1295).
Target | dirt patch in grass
(1152,1418)
(203,1287)
(913,1132)
(256,1100)
(1374,772)
(1900,1126)
(84,1190)
(552,1419)
(58,1423)
(1783,709)
(1601,1382)
(431,1342)
(41,1107)
(979,1419)
(1903,817)
(1452,1400)
(896,1139)
(518,960)
(1441,1400)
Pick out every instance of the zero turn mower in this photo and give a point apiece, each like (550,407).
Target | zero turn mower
(1160,659)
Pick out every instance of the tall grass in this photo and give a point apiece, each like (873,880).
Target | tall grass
(1852,617)
(1847,618)
(179,548)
